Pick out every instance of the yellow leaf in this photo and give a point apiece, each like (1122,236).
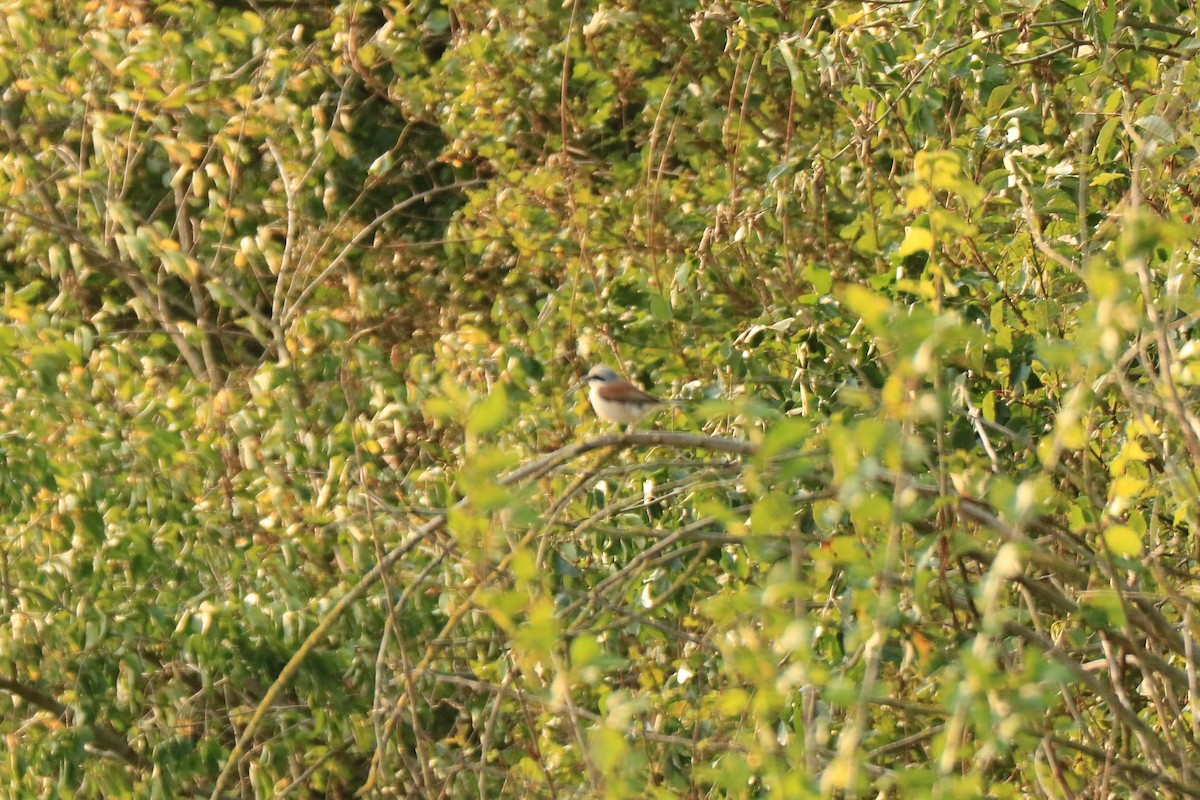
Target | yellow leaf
(1122,541)
(1072,436)
(916,240)
(867,304)
(1127,486)
(846,550)
(1145,426)
(918,197)
(1134,451)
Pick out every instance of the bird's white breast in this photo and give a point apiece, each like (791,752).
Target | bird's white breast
(616,410)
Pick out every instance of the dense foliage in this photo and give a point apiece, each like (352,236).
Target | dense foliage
(298,498)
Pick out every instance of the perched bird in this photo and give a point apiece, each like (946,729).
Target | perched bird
(617,400)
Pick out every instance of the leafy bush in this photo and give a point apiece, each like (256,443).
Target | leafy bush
(298,498)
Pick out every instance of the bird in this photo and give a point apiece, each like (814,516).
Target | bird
(617,400)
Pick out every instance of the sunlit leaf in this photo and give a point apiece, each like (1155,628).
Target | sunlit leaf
(1122,541)
(916,240)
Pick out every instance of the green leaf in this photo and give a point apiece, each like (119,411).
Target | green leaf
(997,98)
(784,435)
(607,747)
(1105,608)
(490,413)
(1105,178)
(1104,139)
(821,279)
(771,514)
(584,650)
(660,308)
(538,636)
(789,60)
(1100,20)
(1157,127)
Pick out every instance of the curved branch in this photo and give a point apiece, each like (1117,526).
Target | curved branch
(534,469)
(296,306)
(622,441)
(109,740)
